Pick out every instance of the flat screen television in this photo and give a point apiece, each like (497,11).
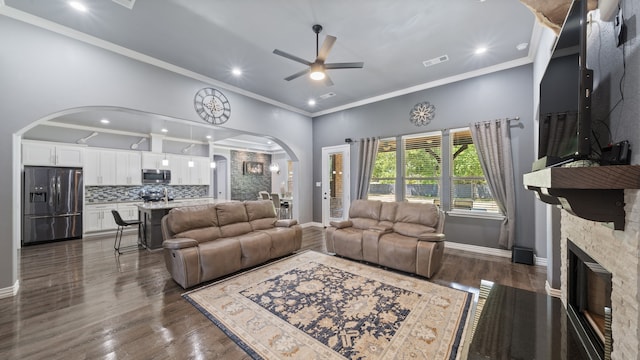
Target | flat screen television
(565,95)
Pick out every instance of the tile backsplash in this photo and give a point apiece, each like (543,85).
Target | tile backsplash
(103,194)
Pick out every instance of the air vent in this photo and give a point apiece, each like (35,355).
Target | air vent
(435,61)
(327,95)
(125,3)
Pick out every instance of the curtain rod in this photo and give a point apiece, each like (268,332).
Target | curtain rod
(350,141)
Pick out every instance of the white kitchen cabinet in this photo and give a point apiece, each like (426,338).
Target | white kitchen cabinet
(128,211)
(99,217)
(180,171)
(100,167)
(50,154)
(202,174)
(154,161)
(128,168)
(182,174)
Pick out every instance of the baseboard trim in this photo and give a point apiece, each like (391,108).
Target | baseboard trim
(10,291)
(478,249)
(310,224)
(539,261)
(551,291)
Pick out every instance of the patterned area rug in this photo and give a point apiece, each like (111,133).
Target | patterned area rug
(317,306)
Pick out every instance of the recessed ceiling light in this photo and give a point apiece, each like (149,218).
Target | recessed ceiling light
(311,102)
(208,136)
(236,71)
(481,50)
(104,121)
(522,46)
(269,142)
(164,130)
(78,6)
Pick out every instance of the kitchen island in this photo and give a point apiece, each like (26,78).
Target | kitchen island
(151,214)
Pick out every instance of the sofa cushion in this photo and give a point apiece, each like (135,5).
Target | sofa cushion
(259,209)
(231,213)
(201,235)
(191,217)
(416,213)
(369,209)
(261,214)
(413,230)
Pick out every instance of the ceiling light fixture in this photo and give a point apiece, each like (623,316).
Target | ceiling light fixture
(236,71)
(274,167)
(481,50)
(164,130)
(105,121)
(522,46)
(134,146)
(78,6)
(84,139)
(208,136)
(317,72)
(187,148)
(311,102)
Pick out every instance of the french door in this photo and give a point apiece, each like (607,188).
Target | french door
(336,182)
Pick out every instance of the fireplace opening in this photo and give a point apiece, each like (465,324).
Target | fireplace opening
(589,302)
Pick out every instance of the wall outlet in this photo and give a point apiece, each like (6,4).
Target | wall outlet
(620,28)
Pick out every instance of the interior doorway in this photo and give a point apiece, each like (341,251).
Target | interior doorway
(220,181)
(336,162)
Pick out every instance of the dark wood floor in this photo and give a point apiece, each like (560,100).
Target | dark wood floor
(78,300)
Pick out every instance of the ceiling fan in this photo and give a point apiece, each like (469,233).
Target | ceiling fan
(317,69)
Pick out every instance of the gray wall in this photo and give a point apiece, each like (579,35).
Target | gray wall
(44,74)
(502,94)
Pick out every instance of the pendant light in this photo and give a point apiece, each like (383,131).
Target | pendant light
(190,162)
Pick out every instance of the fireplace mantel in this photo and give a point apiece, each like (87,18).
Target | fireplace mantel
(593,193)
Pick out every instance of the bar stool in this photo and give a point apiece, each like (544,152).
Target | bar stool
(121,225)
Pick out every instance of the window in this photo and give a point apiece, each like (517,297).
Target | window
(469,189)
(422,167)
(383,180)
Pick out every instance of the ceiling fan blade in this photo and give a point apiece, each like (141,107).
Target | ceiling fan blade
(326,47)
(297,75)
(351,65)
(327,80)
(291,57)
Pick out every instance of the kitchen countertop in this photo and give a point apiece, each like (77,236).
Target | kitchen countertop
(177,203)
(140,201)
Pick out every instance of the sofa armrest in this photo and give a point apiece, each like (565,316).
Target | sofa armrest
(286,222)
(179,243)
(381,228)
(341,224)
(435,237)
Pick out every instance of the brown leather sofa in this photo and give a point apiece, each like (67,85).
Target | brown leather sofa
(399,235)
(204,242)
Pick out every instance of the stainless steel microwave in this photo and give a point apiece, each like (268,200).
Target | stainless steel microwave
(156,176)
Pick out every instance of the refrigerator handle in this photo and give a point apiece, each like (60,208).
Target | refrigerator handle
(52,195)
(58,191)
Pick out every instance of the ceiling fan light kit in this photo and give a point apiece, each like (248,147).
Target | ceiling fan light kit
(317,69)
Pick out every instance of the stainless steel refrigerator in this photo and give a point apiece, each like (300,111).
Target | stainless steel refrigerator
(52,204)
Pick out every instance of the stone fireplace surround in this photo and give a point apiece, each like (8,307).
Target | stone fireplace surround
(619,252)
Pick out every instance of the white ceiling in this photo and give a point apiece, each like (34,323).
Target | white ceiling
(391,37)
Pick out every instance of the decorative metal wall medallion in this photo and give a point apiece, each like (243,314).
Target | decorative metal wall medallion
(212,106)
(422,114)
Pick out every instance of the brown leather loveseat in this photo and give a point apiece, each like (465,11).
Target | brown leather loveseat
(399,235)
(204,242)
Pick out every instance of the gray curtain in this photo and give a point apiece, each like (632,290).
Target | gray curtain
(367,152)
(493,143)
